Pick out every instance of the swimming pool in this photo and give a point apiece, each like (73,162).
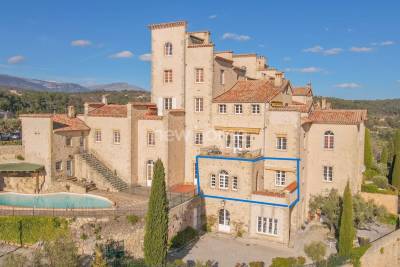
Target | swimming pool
(54,200)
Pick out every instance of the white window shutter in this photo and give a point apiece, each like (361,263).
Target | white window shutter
(160,106)
(173,103)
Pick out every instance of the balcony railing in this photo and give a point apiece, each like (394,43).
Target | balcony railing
(240,153)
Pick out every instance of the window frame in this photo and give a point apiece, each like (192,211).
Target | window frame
(168,49)
(228,140)
(168,76)
(199,75)
(61,166)
(255,109)
(327,173)
(223,179)
(116,137)
(281,143)
(222,107)
(68,141)
(151,138)
(329,140)
(238,140)
(198,104)
(149,167)
(97,136)
(235,183)
(198,138)
(240,106)
(222,77)
(213,180)
(248,141)
(280,178)
(267,226)
(169,102)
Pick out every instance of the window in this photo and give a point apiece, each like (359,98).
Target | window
(69,168)
(149,170)
(68,141)
(199,75)
(116,137)
(267,225)
(228,140)
(222,77)
(168,49)
(223,180)
(255,109)
(329,140)
(97,135)
(248,141)
(151,139)
(280,178)
(167,103)
(222,108)
(58,165)
(281,143)
(328,173)
(238,109)
(238,140)
(198,104)
(213,181)
(198,139)
(167,76)
(234,183)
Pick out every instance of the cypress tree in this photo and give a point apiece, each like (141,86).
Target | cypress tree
(384,155)
(156,235)
(397,143)
(367,150)
(396,171)
(346,231)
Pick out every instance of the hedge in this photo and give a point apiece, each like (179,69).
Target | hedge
(183,237)
(372,188)
(31,229)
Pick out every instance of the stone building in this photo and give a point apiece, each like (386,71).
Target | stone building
(255,147)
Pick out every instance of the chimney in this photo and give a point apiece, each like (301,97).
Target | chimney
(278,79)
(71,112)
(323,103)
(104,99)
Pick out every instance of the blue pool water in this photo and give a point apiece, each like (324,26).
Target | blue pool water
(54,200)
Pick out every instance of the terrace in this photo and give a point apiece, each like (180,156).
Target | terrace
(285,196)
(234,153)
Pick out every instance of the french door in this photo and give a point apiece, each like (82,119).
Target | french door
(224,221)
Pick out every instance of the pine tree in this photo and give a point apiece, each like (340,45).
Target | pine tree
(396,171)
(384,156)
(99,261)
(346,231)
(156,235)
(368,150)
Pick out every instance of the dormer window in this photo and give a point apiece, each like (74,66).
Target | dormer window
(168,49)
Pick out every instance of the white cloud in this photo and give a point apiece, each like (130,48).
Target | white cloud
(16,59)
(145,57)
(360,49)
(287,59)
(384,43)
(212,16)
(350,85)
(320,50)
(122,54)
(81,43)
(304,70)
(235,36)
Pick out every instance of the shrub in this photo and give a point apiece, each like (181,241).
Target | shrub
(132,219)
(19,157)
(29,230)
(369,173)
(372,188)
(183,237)
(256,264)
(315,250)
(210,222)
(380,181)
(288,262)
(84,236)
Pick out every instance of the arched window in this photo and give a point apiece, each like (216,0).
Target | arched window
(329,140)
(168,49)
(223,180)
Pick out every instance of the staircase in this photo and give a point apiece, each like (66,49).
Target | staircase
(107,174)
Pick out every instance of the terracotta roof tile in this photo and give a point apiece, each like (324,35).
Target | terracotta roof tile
(337,116)
(302,91)
(291,187)
(64,123)
(249,91)
(270,194)
(299,107)
(224,59)
(183,188)
(109,111)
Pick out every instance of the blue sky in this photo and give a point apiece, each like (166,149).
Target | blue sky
(348,49)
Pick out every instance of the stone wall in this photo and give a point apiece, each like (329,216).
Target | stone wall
(390,202)
(184,215)
(19,184)
(384,252)
(10,152)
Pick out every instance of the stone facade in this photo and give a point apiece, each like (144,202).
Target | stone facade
(222,106)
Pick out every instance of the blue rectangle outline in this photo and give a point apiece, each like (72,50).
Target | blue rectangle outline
(291,205)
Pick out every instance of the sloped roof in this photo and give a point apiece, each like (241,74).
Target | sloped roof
(61,122)
(295,106)
(302,91)
(111,110)
(337,116)
(20,167)
(249,91)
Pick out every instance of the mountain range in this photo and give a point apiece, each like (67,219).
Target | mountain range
(66,87)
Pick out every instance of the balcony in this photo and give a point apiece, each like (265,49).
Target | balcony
(285,196)
(235,153)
